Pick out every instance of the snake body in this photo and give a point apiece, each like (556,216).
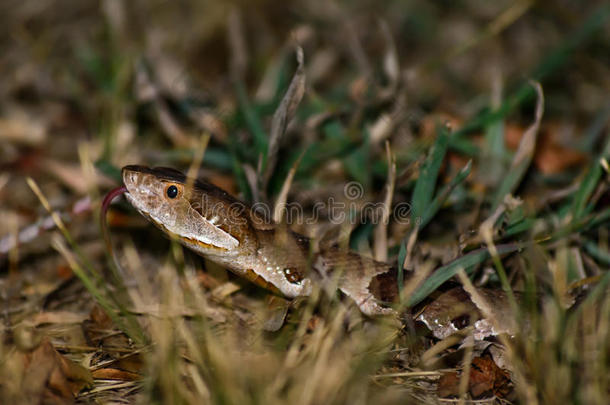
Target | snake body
(214,224)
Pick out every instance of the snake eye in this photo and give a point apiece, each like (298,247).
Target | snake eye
(172,191)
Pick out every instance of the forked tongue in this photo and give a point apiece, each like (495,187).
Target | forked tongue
(112,194)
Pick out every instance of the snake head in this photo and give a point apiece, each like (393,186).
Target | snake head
(191,211)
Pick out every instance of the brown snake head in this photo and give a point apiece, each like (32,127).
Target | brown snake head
(183,210)
(214,224)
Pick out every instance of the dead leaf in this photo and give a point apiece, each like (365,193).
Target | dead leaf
(552,159)
(100,318)
(486,379)
(50,378)
(448,385)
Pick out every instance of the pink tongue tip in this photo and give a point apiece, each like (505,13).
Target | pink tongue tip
(110,196)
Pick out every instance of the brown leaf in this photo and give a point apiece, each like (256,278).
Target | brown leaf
(132,363)
(448,385)
(552,156)
(512,135)
(100,318)
(486,379)
(50,378)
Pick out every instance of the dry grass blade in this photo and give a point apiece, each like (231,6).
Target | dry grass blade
(280,203)
(237,45)
(381,236)
(283,114)
(528,143)
(391,66)
(525,153)
(150,90)
(196,164)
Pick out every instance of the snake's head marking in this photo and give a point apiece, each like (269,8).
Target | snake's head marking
(181,210)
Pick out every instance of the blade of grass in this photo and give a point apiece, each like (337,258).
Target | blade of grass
(280,203)
(523,156)
(426,182)
(581,225)
(593,249)
(588,184)
(282,117)
(466,262)
(357,163)
(444,193)
(381,229)
(133,330)
(493,158)
(252,120)
(91,278)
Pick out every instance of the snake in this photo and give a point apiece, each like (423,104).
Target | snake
(221,228)
(214,224)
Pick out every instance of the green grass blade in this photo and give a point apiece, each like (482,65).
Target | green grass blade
(466,262)
(588,184)
(426,182)
(252,120)
(444,193)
